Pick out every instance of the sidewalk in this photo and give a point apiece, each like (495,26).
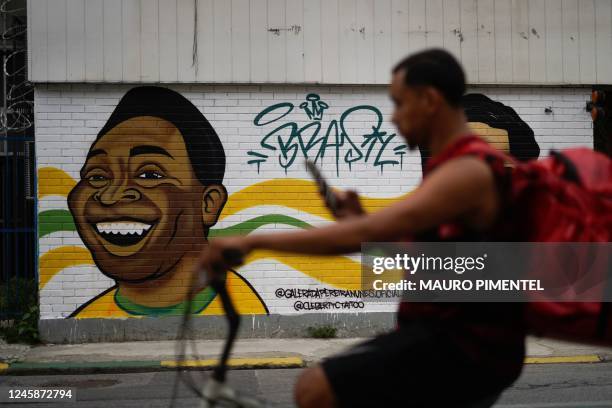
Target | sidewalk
(247,353)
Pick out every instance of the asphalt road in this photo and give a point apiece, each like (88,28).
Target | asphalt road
(540,386)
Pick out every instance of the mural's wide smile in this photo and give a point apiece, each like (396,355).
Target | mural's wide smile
(123,233)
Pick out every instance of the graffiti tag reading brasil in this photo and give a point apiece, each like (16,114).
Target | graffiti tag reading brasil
(288,141)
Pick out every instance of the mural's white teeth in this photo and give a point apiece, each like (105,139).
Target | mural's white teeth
(123,228)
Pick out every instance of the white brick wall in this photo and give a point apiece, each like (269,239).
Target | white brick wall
(68,118)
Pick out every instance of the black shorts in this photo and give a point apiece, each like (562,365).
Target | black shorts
(420,365)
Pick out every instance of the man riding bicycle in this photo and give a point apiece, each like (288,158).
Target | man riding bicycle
(442,354)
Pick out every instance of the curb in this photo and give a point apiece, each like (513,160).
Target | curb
(100,367)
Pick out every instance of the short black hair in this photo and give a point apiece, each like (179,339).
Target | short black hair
(203,146)
(436,68)
(521,139)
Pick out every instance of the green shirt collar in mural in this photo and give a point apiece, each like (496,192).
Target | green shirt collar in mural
(198,304)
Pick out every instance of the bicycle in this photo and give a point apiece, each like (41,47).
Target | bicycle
(216,391)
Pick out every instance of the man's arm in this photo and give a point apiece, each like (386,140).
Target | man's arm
(460,187)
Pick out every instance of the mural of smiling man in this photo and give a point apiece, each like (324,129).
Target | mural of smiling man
(150,190)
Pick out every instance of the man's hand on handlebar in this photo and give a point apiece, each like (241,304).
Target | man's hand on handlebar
(348,205)
(222,254)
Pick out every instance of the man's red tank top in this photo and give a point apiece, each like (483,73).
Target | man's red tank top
(476,326)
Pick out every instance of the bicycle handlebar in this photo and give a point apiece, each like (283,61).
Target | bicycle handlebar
(232,256)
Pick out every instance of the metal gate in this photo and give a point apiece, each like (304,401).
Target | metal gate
(18,275)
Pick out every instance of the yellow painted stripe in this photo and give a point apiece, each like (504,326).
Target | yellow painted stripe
(298,194)
(586,358)
(337,271)
(52,262)
(239,362)
(3,367)
(54,181)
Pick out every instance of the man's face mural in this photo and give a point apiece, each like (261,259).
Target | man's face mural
(500,125)
(140,206)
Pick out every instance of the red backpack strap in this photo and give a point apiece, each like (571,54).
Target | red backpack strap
(500,163)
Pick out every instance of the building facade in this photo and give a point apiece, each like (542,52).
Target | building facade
(160,124)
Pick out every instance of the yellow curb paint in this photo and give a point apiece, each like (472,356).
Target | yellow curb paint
(239,362)
(587,358)
(3,367)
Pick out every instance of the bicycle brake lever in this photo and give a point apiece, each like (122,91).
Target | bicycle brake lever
(233,256)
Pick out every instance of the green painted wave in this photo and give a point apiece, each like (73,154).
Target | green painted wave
(51,221)
(251,225)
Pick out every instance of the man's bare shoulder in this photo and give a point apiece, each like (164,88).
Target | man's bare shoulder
(467,172)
